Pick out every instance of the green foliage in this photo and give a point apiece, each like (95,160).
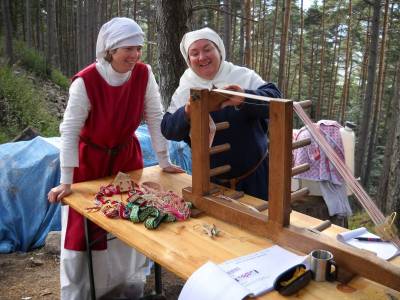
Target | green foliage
(32,60)
(58,78)
(35,62)
(361,219)
(21,105)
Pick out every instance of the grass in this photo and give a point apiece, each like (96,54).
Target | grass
(361,219)
(22,105)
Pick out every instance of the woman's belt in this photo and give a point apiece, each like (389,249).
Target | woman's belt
(112,152)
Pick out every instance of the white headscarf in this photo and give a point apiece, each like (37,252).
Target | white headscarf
(228,73)
(116,33)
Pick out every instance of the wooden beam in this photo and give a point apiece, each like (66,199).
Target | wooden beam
(228,211)
(199,117)
(280,160)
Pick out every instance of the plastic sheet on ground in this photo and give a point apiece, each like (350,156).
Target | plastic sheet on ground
(29,169)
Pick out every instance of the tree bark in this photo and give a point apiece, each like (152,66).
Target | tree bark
(334,70)
(378,98)
(5,8)
(241,37)
(272,46)
(322,65)
(284,40)
(227,29)
(247,48)
(389,188)
(28,22)
(301,50)
(368,103)
(52,56)
(172,21)
(346,82)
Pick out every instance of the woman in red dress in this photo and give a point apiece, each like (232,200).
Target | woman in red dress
(106,104)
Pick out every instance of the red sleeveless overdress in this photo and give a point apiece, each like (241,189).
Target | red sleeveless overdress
(107,142)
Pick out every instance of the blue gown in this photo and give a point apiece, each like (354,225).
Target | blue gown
(247,136)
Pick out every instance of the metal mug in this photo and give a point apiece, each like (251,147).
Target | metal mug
(321,265)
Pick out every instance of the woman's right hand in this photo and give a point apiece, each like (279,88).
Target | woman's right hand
(187,109)
(57,193)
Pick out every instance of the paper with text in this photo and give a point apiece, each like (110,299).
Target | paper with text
(210,282)
(249,275)
(258,271)
(384,250)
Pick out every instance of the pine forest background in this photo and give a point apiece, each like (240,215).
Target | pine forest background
(343,55)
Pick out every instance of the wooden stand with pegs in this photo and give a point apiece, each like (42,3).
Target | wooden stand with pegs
(276,226)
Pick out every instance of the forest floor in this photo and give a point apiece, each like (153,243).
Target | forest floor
(35,275)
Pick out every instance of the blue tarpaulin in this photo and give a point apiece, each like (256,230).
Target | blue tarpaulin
(28,170)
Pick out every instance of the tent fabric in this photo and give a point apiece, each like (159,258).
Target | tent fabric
(29,169)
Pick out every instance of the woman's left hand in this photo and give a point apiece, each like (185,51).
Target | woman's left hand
(233,100)
(173,169)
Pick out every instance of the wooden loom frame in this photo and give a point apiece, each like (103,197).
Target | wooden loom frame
(276,226)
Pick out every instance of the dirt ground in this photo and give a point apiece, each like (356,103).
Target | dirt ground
(35,275)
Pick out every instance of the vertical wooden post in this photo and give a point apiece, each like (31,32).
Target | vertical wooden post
(280,161)
(199,120)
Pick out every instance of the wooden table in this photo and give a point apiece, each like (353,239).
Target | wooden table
(182,247)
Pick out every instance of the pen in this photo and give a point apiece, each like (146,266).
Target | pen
(369,239)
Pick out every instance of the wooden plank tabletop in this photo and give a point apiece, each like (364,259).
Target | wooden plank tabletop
(182,247)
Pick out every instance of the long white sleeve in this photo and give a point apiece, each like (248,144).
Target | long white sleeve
(75,115)
(153,114)
(78,108)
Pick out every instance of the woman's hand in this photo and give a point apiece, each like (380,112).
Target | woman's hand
(59,192)
(173,169)
(233,100)
(187,109)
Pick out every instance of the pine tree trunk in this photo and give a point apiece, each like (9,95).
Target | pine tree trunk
(241,37)
(334,70)
(389,188)
(321,65)
(150,33)
(172,21)
(301,51)
(247,48)
(368,104)
(311,73)
(28,22)
(378,98)
(272,45)
(5,8)
(284,40)
(346,68)
(52,51)
(363,81)
(227,29)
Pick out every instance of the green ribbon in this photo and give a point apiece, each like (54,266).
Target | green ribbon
(150,215)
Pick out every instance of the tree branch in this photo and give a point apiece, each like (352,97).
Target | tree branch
(216,8)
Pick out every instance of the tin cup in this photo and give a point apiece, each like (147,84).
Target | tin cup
(321,262)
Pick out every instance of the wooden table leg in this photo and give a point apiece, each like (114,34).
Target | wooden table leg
(158,279)
(90,264)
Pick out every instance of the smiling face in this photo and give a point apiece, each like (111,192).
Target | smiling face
(124,58)
(204,58)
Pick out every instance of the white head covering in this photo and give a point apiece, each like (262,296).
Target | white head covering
(204,33)
(116,33)
(228,73)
